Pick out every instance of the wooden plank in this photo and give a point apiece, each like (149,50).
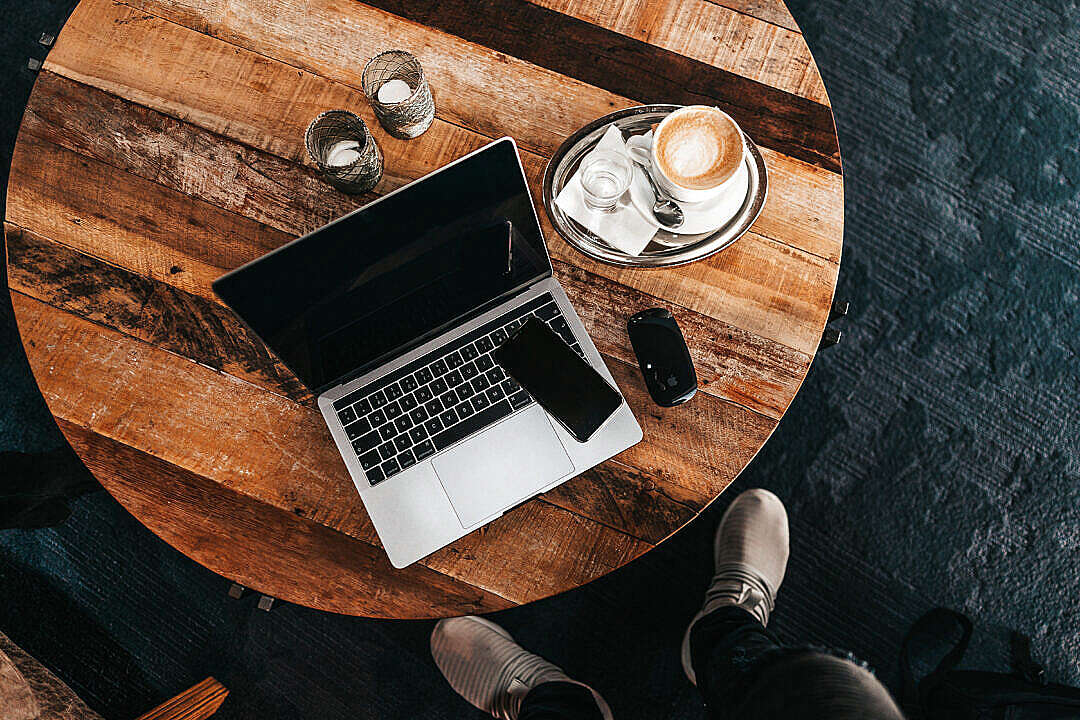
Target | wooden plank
(627,67)
(771,11)
(265,548)
(710,33)
(46,195)
(198,702)
(152,311)
(580,69)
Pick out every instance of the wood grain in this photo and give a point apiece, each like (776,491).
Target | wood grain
(198,702)
(163,146)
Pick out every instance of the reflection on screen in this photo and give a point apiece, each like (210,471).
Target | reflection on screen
(385,278)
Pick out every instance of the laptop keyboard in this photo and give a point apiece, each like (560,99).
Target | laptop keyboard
(444,397)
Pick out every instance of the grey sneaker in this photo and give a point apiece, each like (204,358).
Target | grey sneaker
(485,666)
(751,554)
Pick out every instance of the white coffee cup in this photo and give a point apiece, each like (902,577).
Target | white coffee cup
(696,153)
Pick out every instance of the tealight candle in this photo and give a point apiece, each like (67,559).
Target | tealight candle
(342,153)
(394,91)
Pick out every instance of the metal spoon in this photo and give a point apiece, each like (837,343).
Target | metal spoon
(666,211)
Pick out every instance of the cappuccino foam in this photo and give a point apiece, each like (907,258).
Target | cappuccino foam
(698,148)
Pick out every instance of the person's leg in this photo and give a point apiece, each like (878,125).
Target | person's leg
(740,668)
(485,666)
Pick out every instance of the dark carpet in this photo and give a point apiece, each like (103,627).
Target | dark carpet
(929,459)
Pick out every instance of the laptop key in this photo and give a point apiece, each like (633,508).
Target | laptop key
(480,402)
(453,379)
(510,386)
(483,363)
(390,467)
(403,423)
(464,410)
(408,384)
(402,442)
(439,386)
(439,368)
(484,345)
(387,431)
(365,442)
(417,433)
(408,402)
(453,360)
(480,383)
(424,376)
(392,410)
(434,407)
(448,418)
(423,450)
(370,459)
(375,475)
(498,337)
(377,418)
(468,353)
(469,371)
(393,392)
(465,391)
(347,416)
(406,459)
(466,428)
(422,395)
(548,311)
(495,375)
(378,399)
(387,450)
(418,415)
(519,399)
(433,426)
(449,400)
(358,428)
(363,407)
(495,393)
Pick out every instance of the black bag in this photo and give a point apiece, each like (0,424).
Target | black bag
(949,694)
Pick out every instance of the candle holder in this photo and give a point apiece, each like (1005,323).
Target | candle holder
(345,151)
(395,86)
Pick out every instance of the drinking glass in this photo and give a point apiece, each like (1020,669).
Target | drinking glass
(345,151)
(395,86)
(605,176)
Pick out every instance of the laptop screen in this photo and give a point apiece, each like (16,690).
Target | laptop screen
(391,275)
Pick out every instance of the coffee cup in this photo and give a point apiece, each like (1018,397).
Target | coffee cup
(696,153)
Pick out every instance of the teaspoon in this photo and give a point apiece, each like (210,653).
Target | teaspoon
(666,211)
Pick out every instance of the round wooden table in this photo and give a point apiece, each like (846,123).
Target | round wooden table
(163,145)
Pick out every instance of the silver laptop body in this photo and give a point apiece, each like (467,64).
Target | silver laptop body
(437,439)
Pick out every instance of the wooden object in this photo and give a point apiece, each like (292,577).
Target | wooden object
(163,145)
(198,702)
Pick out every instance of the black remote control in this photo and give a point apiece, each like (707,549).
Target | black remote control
(662,356)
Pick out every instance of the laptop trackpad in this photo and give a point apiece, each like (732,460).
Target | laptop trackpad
(502,465)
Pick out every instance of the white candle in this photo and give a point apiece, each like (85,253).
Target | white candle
(343,153)
(394,91)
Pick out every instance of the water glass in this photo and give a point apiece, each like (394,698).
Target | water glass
(345,151)
(396,87)
(605,176)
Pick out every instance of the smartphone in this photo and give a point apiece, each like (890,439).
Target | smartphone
(562,382)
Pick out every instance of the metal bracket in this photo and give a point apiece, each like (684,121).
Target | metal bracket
(839,309)
(236,591)
(33,64)
(265,603)
(830,337)
(47,39)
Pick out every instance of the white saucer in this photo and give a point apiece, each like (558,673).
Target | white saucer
(701,217)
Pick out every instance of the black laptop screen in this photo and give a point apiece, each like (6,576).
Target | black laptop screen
(385,278)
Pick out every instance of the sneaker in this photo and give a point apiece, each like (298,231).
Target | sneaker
(751,554)
(485,666)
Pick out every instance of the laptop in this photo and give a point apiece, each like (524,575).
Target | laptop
(390,315)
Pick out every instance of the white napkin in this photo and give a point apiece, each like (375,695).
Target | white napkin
(624,229)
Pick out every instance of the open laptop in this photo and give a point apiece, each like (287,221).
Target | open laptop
(390,313)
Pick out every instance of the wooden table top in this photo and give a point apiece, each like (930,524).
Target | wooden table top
(163,145)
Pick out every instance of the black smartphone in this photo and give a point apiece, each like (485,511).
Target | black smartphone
(561,381)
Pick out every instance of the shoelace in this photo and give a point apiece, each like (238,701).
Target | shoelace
(744,587)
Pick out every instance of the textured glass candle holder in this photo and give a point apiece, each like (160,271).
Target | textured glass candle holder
(345,151)
(396,87)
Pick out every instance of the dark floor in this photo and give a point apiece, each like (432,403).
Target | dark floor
(931,458)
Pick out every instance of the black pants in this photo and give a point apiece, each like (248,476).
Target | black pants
(743,672)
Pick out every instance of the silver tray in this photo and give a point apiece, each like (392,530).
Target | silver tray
(666,248)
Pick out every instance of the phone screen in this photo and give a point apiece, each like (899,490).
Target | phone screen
(565,385)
